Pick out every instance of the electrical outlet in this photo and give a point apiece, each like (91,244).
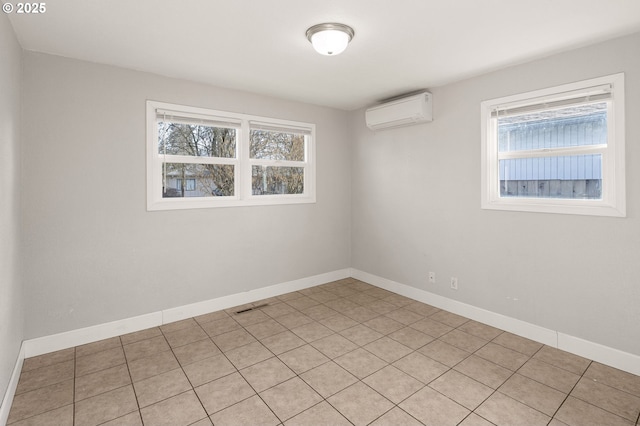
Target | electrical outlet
(454,283)
(432,277)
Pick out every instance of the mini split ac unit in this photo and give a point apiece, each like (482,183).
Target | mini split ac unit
(404,111)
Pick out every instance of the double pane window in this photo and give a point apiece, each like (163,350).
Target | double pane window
(203,158)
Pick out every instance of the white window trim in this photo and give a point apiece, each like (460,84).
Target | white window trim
(613,155)
(242,193)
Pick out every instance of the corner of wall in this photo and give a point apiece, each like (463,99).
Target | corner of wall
(5,408)
(11,287)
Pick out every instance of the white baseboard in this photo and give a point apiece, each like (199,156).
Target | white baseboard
(81,336)
(5,408)
(594,351)
(69,339)
(597,352)
(226,302)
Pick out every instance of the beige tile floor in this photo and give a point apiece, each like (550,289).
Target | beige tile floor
(340,353)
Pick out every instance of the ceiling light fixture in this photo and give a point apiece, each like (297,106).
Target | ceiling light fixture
(330,39)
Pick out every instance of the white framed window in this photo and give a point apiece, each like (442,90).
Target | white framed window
(556,150)
(201,158)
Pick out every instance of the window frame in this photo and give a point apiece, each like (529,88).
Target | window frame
(612,202)
(242,163)
(273,127)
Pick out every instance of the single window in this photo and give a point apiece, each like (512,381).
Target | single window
(278,159)
(557,150)
(204,158)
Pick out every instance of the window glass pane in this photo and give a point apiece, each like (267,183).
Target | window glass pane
(269,145)
(267,180)
(574,176)
(579,125)
(196,140)
(197,180)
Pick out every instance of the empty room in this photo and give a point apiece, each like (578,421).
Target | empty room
(320,212)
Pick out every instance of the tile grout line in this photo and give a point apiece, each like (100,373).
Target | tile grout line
(570,391)
(513,374)
(452,368)
(589,402)
(298,375)
(193,388)
(493,391)
(537,381)
(250,385)
(135,394)
(73,400)
(126,364)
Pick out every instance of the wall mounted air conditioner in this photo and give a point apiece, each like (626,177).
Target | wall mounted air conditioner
(404,111)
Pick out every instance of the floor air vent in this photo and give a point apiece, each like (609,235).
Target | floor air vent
(252,308)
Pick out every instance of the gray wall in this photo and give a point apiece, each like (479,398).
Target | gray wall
(92,252)
(11,300)
(416,208)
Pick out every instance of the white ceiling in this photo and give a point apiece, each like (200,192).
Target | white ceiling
(260,45)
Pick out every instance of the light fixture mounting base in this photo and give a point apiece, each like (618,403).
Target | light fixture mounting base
(330,26)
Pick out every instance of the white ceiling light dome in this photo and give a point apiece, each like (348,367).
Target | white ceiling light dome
(330,38)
